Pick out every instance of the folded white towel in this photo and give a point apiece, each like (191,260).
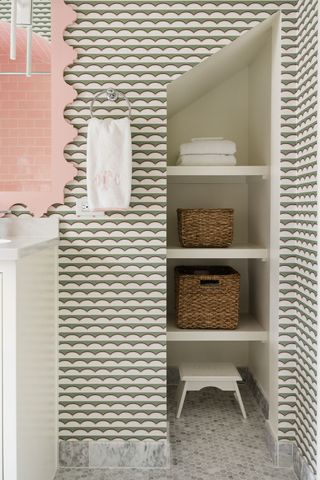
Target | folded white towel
(197,160)
(206,139)
(109,164)
(225,147)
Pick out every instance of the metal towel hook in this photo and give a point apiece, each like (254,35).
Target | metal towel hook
(111,95)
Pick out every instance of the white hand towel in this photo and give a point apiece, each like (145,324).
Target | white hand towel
(109,164)
(198,160)
(225,147)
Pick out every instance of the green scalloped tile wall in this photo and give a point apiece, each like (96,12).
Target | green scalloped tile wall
(139,47)
(301,289)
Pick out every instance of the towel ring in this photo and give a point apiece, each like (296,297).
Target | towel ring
(111,95)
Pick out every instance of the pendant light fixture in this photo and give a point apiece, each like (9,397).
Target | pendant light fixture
(21,15)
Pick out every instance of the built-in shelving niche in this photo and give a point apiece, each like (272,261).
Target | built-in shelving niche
(232,94)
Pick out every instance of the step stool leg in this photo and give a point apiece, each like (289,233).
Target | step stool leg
(181,395)
(238,397)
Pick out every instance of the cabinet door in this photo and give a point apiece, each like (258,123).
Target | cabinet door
(1,408)
(8,371)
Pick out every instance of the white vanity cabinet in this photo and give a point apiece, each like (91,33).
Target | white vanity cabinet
(29,350)
(1,409)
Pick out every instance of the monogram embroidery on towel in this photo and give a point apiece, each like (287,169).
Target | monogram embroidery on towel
(106,178)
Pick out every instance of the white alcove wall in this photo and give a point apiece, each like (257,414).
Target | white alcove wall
(228,99)
(234,94)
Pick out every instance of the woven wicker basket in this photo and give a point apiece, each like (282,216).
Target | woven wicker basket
(200,227)
(207,297)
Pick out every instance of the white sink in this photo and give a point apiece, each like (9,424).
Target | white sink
(4,240)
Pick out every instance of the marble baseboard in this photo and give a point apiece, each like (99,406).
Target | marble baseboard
(272,444)
(244,372)
(256,391)
(286,454)
(118,454)
(281,452)
(173,376)
(300,466)
(73,453)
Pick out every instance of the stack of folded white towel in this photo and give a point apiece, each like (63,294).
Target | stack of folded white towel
(207,151)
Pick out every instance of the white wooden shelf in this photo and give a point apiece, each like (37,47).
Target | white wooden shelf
(212,171)
(249,330)
(235,251)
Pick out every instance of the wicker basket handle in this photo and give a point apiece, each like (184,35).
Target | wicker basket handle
(209,283)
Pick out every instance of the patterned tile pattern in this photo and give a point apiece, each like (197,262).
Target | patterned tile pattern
(305,234)
(209,441)
(112,271)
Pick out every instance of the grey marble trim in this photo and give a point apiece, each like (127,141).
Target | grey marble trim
(114,454)
(285,454)
(73,453)
(244,372)
(300,466)
(256,391)
(281,452)
(173,376)
(272,444)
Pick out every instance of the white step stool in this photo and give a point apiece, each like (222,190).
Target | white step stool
(195,376)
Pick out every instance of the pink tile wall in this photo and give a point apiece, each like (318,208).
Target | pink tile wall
(41,51)
(25,123)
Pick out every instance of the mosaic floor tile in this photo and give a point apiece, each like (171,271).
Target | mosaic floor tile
(210,441)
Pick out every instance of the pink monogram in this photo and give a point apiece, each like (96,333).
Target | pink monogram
(105,178)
